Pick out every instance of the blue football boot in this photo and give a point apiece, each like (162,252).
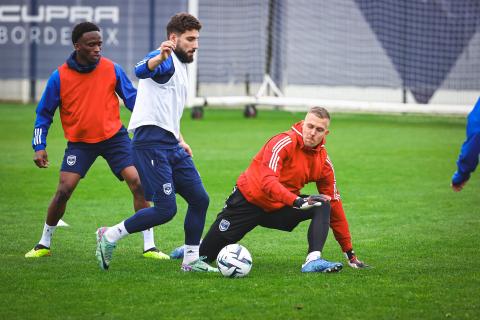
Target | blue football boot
(321,265)
(177,253)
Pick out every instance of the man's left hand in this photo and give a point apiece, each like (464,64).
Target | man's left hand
(187,148)
(357,264)
(353,261)
(318,198)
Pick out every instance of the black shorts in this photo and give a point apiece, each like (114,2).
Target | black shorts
(239,217)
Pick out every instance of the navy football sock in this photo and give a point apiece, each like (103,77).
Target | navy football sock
(198,200)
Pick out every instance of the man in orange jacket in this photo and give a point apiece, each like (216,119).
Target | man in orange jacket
(267,194)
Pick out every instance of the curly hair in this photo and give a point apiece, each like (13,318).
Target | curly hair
(182,22)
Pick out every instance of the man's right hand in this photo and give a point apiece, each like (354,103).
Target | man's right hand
(41,159)
(166,49)
(458,187)
(310,201)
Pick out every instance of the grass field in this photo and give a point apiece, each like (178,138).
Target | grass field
(393,173)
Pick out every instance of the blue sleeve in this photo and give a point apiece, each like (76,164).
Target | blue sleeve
(45,110)
(166,68)
(125,88)
(468,158)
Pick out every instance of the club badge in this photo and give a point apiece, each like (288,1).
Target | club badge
(167,188)
(71,160)
(224,224)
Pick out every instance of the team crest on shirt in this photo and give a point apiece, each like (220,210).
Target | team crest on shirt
(224,224)
(71,160)
(167,188)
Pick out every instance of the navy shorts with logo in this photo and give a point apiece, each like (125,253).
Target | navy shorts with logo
(79,156)
(164,172)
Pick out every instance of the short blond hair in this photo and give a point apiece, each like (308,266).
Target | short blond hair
(320,112)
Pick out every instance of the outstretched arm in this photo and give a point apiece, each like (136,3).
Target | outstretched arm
(468,158)
(338,221)
(467,161)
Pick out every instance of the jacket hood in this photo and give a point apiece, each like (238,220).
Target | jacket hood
(73,64)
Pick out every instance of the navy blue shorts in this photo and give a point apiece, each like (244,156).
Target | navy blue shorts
(164,172)
(79,156)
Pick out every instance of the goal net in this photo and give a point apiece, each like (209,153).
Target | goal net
(388,55)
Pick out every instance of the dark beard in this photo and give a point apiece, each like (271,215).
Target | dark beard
(183,56)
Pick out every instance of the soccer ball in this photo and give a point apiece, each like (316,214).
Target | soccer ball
(234,261)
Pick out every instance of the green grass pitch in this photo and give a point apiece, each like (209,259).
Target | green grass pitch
(393,173)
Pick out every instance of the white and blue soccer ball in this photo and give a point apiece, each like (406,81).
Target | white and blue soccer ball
(234,261)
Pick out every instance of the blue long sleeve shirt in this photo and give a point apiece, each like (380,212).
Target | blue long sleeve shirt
(161,74)
(468,158)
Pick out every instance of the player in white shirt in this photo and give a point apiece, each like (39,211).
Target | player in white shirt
(160,154)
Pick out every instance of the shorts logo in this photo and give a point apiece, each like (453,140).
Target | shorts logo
(167,188)
(71,160)
(224,224)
